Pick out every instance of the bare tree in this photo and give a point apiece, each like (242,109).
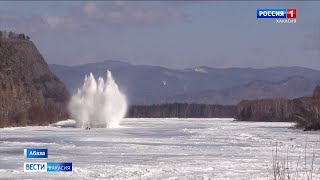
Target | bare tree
(11,34)
(21,36)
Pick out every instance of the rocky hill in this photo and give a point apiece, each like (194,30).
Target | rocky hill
(30,94)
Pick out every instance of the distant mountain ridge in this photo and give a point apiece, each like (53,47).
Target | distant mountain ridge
(145,84)
(293,87)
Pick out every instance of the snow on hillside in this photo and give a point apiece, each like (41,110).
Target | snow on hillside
(201,70)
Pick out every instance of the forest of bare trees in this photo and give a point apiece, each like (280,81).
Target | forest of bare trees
(182,110)
(265,110)
(304,110)
(37,115)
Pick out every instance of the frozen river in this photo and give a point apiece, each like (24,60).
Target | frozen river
(160,149)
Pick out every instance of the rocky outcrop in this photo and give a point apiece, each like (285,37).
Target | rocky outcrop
(30,94)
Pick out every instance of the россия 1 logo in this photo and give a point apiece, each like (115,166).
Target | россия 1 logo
(287,16)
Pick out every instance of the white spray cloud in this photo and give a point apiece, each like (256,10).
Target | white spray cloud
(98,104)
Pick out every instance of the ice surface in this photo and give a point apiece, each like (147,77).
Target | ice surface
(158,149)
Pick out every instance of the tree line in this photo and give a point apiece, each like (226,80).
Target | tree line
(305,111)
(12,35)
(181,110)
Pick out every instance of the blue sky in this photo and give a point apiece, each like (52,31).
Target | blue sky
(171,34)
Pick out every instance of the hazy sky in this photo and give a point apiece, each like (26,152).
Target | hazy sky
(172,34)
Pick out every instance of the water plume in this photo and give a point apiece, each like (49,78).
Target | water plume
(98,104)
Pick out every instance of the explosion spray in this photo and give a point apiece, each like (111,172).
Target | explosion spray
(98,104)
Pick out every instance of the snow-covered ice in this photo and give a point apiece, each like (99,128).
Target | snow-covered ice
(158,149)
